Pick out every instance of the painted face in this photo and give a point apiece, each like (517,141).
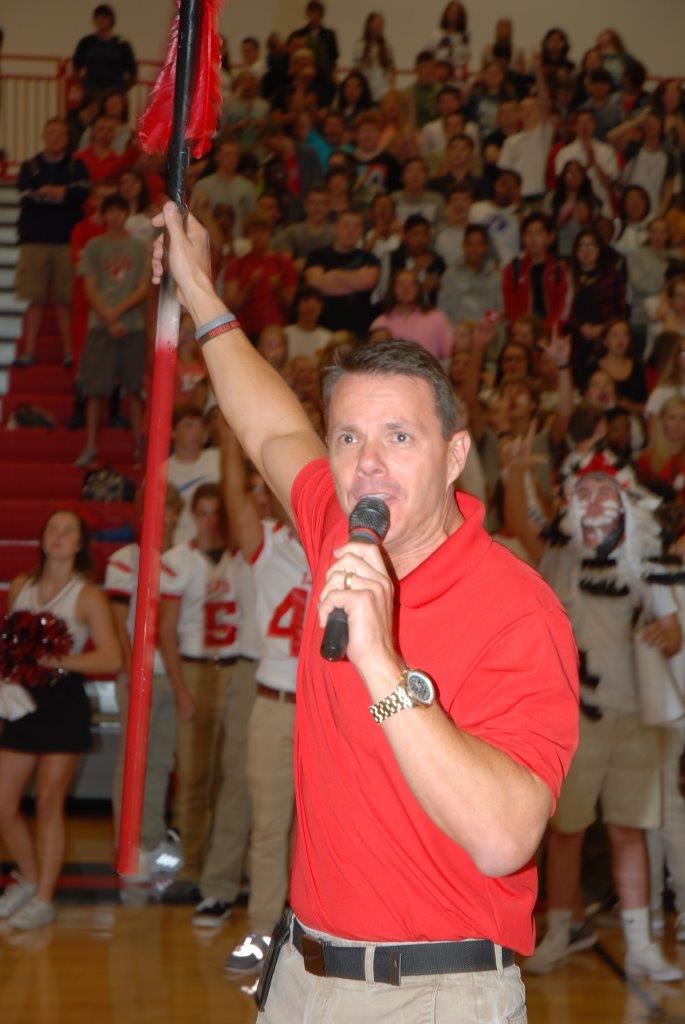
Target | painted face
(600,509)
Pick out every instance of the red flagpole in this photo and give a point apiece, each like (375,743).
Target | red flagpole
(166,344)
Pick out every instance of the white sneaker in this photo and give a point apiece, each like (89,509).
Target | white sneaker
(34,914)
(650,962)
(166,858)
(552,952)
(680,926)
(15,896)
(248,957)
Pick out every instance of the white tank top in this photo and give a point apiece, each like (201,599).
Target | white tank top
(62,606)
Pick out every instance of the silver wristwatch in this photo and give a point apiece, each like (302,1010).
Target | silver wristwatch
(414,690)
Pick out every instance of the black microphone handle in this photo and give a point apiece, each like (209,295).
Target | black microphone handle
(335,636)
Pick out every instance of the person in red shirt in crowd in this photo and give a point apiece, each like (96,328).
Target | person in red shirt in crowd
(416,829)
(89,227)
(101,160)
(260,285)
(536,282)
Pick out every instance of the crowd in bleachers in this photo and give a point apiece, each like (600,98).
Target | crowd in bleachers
(521,215)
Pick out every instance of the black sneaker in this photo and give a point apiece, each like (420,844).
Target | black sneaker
(182,891)
(248,957)
(211,913)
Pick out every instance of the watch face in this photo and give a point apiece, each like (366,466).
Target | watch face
(420,687)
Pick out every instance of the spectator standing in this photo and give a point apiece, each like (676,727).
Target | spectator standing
(104,60)
(572,205)
(598,295)
(345,275)
(373,56)
(671,382)
(536,282)
(416,254)
(282,585)
(324,44)
(599,158)
(435,136)
(377,170)
(354,96)
(226,186)
(90,227)
(501,216)
(458,168)
(486,95)
(261,284)
(617,359)
(449,241)
(121,584)
(116,284)
(633,220)
(472,286)
(414,197)
(191,464)
(306,337)
(290,169)
(53,188)
(423,92)
(603,101)
(382,239)
(199,618)
(648,162)
(526,151)
(114,105)
(245,113)
(450,41)
(133,187)
(299,239)
(408,317)
(99,157)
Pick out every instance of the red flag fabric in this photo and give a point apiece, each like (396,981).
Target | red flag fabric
(154,125)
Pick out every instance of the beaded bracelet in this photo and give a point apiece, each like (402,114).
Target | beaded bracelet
(221,325)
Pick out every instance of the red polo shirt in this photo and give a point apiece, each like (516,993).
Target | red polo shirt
(368,861)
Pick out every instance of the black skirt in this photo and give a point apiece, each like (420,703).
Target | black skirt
(59,725)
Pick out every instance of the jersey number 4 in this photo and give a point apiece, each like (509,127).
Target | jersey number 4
(288,618)
(220,630)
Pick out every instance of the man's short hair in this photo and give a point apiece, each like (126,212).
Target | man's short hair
(308,292)
(537,217)
(503,171)
(424,56)
(476,229)
(397,358)
(601,75)
(461,137)
(373,117)
(586,112)
(114,202)
(449,90)
(185,410)
(250,39)
(416,220)
(461,188)
(315,5)
(105,11)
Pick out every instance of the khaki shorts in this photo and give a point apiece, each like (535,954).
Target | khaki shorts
(44,271)
(108,361)
(618,762)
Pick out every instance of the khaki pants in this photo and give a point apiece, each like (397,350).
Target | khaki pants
(199,756)
(161,749)
(222,873)
(270,780)
(489,997)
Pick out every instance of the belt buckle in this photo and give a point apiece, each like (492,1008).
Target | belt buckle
(313,956)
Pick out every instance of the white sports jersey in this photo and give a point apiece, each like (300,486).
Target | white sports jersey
(249,638)
(210,604)
(121,582)
(283,584)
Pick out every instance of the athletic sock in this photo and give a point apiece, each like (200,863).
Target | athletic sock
(636,928)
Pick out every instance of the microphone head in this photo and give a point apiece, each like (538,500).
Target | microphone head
(370,513)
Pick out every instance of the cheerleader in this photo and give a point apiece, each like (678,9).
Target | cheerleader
(49,739)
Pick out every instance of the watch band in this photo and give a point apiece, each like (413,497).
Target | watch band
(396,701)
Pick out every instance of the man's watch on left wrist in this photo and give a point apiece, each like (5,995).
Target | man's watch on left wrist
(415,689)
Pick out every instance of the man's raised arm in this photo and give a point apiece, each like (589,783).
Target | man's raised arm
(266,416)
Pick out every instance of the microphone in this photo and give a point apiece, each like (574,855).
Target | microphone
(369,522)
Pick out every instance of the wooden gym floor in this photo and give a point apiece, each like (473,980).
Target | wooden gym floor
(108,962)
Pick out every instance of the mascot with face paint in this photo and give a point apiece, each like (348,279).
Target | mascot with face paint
(604,561)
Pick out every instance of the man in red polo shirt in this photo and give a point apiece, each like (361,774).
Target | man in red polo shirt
(413,879)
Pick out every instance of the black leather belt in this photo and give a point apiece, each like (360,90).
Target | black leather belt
(208,661)
(391,963)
